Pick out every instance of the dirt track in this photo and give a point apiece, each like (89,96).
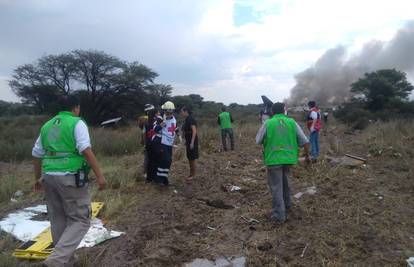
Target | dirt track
(358,216)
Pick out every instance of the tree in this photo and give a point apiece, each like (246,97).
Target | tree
(383,89)
(106,85)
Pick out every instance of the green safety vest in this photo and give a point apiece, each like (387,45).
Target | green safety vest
(280,143)
(225,120)
(58,141)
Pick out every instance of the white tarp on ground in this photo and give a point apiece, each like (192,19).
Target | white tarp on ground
(24,226)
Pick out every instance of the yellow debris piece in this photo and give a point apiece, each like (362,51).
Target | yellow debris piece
(41,246)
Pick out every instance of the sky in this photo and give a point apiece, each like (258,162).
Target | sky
(225,50)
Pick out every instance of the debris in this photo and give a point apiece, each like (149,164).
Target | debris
(356,157)
(410,262)
(304,250)
(346,161)
(18,193)
(211,228)
(251,220)
(13,200)
(265,246)
(218,203)
(175,191)
(230,188)
(227,166)
(310,191)
(219,262)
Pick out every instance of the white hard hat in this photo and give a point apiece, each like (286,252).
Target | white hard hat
(168,106)
(149,107)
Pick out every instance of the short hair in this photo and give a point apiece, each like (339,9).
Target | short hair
(187,109)
(223,108)
(312,104)
(278,108)
(69,102)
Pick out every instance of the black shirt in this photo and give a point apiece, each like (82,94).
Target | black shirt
(188,132)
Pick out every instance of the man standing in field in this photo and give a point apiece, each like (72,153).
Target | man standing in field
(63,153)
(225,120)
(313,122)
(281,138)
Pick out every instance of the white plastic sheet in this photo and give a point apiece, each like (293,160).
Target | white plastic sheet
(22,226)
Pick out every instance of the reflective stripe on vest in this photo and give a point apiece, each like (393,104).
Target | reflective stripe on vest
(280,143)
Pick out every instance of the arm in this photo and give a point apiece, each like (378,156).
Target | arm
(83,145)
(91,159)
(37,153)
(218,120)
(303,141)
(194,134)
(314,117)
(261,135)
(231,118)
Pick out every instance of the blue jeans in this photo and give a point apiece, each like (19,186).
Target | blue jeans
(314,141)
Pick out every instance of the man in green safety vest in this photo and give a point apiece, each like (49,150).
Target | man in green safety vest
(62,158)
(224,120)
(281,138)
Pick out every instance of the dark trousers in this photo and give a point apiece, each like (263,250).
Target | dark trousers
(278,180)
(163,164)
(224,134)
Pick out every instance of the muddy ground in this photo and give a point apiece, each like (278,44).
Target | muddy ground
(358,216)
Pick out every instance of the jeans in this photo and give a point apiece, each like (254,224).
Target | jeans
(278,181)
(224,133)
(314,141)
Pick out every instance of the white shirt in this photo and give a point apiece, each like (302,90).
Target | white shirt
(168,132)
(314,115)
(82,142)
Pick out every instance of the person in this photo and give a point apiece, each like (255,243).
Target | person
(313,122)
(145,126)
(281,137)
(167,132)
(189,130)
(63,153)
(151,146)
(225,120)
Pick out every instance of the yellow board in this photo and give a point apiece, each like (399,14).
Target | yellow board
(41,246)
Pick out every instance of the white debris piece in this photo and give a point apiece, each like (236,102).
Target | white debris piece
(235,188)
(23,227)
(410,262)
(309,191)
(219,262)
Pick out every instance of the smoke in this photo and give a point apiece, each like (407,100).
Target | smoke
(328,81)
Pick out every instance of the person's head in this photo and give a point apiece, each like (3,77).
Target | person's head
(185,111)
(311,104)
(148,108)
(70,103)
(278,108)
(168,108)
(223,108)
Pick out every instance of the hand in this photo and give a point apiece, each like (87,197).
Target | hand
(38,186)
(101,183)
(191,146)
(312,129)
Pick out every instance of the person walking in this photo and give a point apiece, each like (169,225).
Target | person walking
(313,122)
(189,130)
(63,153)
(281,138)
(225,120)
(167,132)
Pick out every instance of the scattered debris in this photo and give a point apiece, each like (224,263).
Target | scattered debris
(309,191)
(410,262)
(304,250)
(230,188)
(356,157)
(18,193)
(218,203)
(227,166)
(211,228)
(265,246)
(251,220)
(219,262)
(346,161)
